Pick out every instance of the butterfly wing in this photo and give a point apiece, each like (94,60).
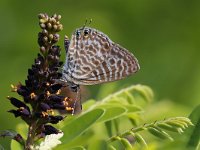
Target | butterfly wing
(85,53)
(119,64)
(93,58)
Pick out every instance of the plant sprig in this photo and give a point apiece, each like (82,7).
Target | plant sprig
(159,129)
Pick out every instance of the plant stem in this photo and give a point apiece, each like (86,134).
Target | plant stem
(31,135)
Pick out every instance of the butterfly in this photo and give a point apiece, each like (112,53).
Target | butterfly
(93,58)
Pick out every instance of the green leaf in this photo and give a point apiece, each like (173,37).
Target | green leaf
(77,148)
(22,128)
(194,132)
(145,91)
(134,118)
(88,104)
(111,147)
(169,127)
(116,125)
(79,125)
(15,145)
(130,97)
(177,124)
(108,125)
(98,145)
(142,90)
(111,112)
(132,108)
(127,145)
(80,140)
(159,133)
(139,139)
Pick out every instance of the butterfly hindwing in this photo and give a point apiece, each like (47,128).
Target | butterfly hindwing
(119,64)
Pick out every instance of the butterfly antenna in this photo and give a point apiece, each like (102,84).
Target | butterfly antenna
(85,23)
(90,21)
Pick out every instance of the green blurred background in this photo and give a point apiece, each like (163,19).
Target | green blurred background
(163,34)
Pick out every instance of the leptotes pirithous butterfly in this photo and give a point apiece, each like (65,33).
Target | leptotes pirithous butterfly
(92,58)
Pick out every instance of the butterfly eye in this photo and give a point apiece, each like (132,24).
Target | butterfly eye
(78,33)
(86,32)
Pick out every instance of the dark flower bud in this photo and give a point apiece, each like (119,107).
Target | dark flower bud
(45,106)
(30,72)
(28,83)
(58,106)
(33,96)
(40,39)
(48,129)
(50,57)
(55,119)
(55,87)
(19,139)
(41,96)
(15,112)
(24,111)
(38,61)
(22,90)
(17,103)
(27,99)
(56,98)
(20,112)
(55,50)
(31,78)
(56,38)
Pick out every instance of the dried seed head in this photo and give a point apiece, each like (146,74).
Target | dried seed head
(41,16)
(45,32)
(49,26)
(58,17)
(60,27)
(44,20)
(55,27)
(50,37)
(42,25)
(42,49)
(45,39)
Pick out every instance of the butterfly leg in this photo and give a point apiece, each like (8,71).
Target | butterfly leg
(77,106)
(66,43)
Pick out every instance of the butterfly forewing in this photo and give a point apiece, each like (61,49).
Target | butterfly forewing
(87,52)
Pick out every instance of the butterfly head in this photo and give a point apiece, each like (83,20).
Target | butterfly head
(82,33)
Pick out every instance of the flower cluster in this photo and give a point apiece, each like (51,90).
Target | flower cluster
(41,93)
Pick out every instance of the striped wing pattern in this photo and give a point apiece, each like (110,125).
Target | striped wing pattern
(93,59)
